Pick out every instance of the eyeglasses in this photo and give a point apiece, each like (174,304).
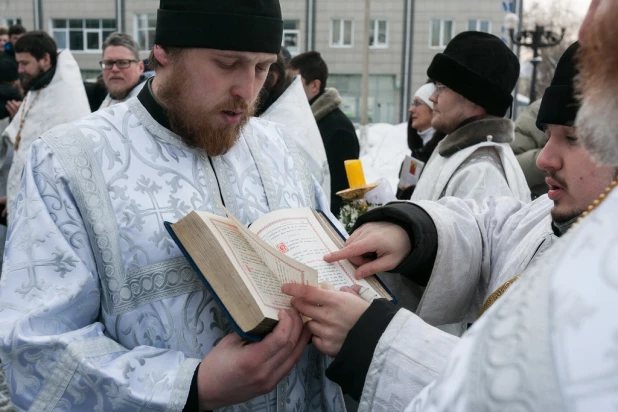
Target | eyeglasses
(440,88)
(121,64)
(418,103)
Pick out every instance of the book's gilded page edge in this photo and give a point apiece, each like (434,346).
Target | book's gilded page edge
(209,287)
(268,310)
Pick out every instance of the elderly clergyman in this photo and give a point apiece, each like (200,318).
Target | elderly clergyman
(99,309)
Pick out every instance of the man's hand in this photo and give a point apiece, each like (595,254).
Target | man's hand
(12,106)
(236,371)
(332,313)
(389,242)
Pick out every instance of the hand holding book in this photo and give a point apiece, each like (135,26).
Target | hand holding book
(245,268)
(332,312)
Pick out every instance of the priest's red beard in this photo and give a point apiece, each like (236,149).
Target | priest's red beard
(597,119)
(195,126)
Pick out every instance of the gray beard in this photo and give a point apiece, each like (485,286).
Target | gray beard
(597,126)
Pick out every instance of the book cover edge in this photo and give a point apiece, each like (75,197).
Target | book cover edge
(198,272)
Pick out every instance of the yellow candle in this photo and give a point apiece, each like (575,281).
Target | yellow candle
(354,170)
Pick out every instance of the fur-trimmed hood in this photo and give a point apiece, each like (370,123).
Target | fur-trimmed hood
(495,130)
(325,103)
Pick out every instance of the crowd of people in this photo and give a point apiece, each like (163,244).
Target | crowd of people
(508,233)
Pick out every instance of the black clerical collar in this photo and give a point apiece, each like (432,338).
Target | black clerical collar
(152,105)
(42,81)
(563,227)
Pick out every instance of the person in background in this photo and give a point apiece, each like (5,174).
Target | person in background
(4,37)
(528,143)
(10,95)
(122,69)
(55,94)
(16,31)
(10,91)
(422,138)
(283,101)
(474,78)
(338,132)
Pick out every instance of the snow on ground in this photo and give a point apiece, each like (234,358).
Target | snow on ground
(384,151)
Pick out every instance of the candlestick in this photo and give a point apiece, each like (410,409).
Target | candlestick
(354,171)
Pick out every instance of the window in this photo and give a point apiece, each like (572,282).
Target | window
(82,34)
(441,33)
(479,25)
(378,34)
(144,30)
(8,21)
(291,36)
(341,33)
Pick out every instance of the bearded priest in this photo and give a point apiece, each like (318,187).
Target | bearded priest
(100,311)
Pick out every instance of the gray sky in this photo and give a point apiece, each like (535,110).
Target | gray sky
(579,8)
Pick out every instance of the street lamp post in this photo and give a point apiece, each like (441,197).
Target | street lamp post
(537,39)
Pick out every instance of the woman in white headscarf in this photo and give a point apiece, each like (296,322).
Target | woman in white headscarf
(422,138)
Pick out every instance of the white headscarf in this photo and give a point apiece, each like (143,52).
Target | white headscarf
(425,92)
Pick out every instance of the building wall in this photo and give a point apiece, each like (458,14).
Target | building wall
(79,9)
(459,12)
(345,63)
(22,9)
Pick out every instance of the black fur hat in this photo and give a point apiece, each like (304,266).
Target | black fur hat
(559,104)
(481,68)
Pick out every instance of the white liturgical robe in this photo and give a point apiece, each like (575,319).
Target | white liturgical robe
(99,310)
(62,101)
(474,162)
(548,344)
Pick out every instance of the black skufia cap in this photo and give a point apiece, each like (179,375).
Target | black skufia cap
(480,67)
(560,105)
(239,25)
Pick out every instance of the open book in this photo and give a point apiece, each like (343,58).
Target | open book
(245,268)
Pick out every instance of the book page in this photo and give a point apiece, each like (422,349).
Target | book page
(260,279)
(298,234)
(286,269)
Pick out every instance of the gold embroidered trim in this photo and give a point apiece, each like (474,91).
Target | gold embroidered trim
(496,295)
(23,118)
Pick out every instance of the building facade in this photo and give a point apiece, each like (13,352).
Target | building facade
(404,36)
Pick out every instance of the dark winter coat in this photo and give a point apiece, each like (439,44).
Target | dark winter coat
(96,93)
(340,141)
(7,93)
(528,143)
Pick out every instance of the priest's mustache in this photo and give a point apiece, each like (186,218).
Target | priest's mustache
(559,180)
(236,104)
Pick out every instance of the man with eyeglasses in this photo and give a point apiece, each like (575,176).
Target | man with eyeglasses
(122,69)
(474,79)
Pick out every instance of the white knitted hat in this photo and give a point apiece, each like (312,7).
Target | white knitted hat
(424,92)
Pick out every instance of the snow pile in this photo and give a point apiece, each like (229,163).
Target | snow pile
(384,151)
